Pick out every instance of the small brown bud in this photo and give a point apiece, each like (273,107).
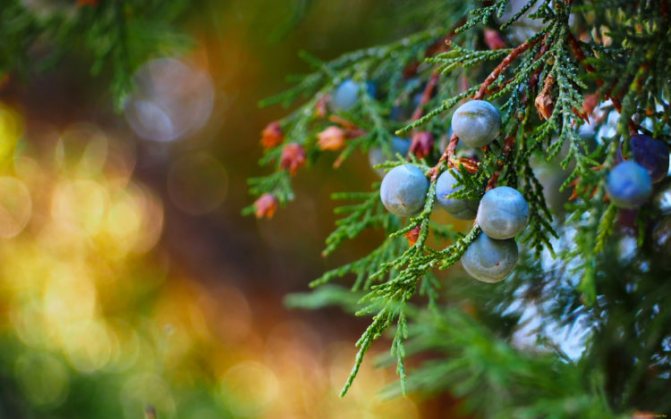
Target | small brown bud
(590,102)
(265,206)
(544,101)
(493,39)
(272,135)
(422,144)
(331,139)
(293,158)
(413,236)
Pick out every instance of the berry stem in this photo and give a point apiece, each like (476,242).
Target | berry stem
(508,145)
(447,156)
(426,95)
(503,65)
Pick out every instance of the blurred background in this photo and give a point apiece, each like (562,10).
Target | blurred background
(130,285)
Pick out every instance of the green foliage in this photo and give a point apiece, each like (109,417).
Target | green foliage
(494,378)
(114,36)
(616,50)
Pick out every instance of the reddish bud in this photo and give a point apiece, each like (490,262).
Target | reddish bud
(590,102)
(272,135)
(265,206)
(331,139)
(493,39)
(544,101)
(81,3)
(413,236)
(293,158)
(422,144)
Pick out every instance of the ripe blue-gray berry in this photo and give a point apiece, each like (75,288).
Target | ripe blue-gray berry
(552,177)
(371,89)
(476,123)
(345,96)
(446,185)
(403,190)
(503,212)
(652,154)
(490,260)
(378,156)
(629,185)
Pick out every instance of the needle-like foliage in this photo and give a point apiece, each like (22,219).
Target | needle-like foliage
(574,80)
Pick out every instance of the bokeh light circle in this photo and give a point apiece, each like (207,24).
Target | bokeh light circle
(15,206)
(172,100)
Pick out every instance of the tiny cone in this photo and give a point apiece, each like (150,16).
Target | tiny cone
(422,144)
(590,102)
(265,206)
(544,101)
(293,158)
(493,39)
(412,236)
(331,139)
(272,135)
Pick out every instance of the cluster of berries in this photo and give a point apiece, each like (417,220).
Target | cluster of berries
(501,214)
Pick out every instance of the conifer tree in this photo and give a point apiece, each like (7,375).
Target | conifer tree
(565,102)
(548,123)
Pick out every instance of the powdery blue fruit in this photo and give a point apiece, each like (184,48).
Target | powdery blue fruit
(652,154)
(403,190)
(476,123)
(463,209)
(490,260)
(345,96)
(629,185)
(503,212)
(378,156)
(400,145)
(552,177)
(371,89)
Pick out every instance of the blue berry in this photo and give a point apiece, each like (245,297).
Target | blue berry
(629,185)
(503,212)
(490,260)
(378,156)
(371,89)
(403,190)
(345,96)
(552,177)
(463,209)
(398,113)
(400,145)
(476,123)
(652,154)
